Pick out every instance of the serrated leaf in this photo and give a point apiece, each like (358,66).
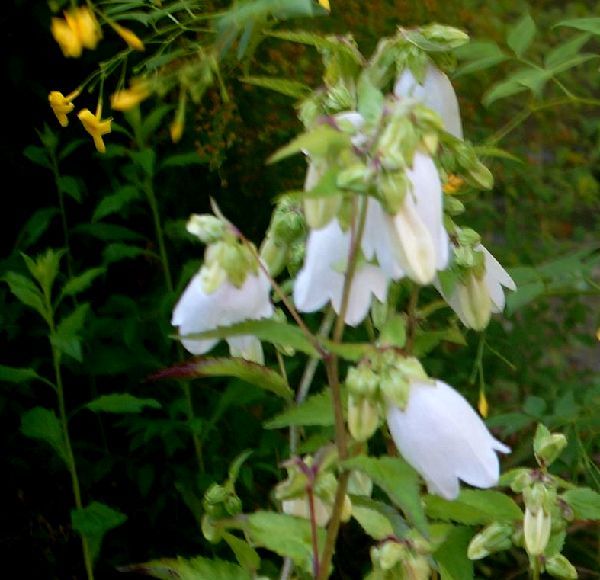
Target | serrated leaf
(586,24)
(82,282)
(44,268)
(451,556)
(28,293)
(94,521)
(521,35)
(319,141)
(474,507)
(251,372)
(272,331)
(40,423)
(115,202)
(565,51)
(285,535)
(193,569)
(121,403)
(17,374)
(585,503)
(286,87)
(245,554)
(372,522)
(316,410)
(66,337)
(398,480)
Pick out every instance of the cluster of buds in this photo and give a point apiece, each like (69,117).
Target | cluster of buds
(219,502)
(283,245)
(383,378)
(401,558)
(309,490)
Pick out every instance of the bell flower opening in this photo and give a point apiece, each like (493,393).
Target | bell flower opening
(95,126)
(444,439)
(61,105)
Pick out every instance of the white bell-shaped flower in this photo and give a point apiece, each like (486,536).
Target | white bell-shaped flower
(436,92)
(322,277)
(443,438)
(198,310)
(479,296)
(421,246)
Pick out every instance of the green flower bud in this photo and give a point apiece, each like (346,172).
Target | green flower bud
(536,531)
(535,496)
(363,417)
(464,256)
(468,237)
(273,254)
(362,381)
(326,486)
(395,388)
(559,567)
(410,367)
(208,228)
(295,257)
(215,494)
(389,554)
(212,533)
(494,538)
(521,481)
(447,35)
(547,446)
(355,178)
(453,206)
(474,302)
(288,223)
(416,568)
(430,142)
(393,187)
(233,505)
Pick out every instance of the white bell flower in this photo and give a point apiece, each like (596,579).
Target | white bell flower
(443,438)
(322,277)
(198,310)
(476,298)
(436,92)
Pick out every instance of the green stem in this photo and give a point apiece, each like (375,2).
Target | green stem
(536,572)
(87,555)
(63,213)
(332,367)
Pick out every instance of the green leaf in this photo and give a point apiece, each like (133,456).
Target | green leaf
(372,522)
(586,24)
(285,535)
(17,374)
(37,155)
(585,503)
(66,337)
(118,251)
(44,268)
(94,521)
(347,350)
(108,232)
(82,282)
(565,51)
(479,56)
(398,480)
(36,226)
(115,202)
(287,87)
(245,554)
(393,332)
(145,160)
(149,126)
(573,62)
(279,333)
(251,372)
(71,186)
(28,293)
(502,89)
(40,423)
(474,507)
(451,556)
(193,569)
(121,403)
(521,35)
(316,410)
(318,142)
(183,160)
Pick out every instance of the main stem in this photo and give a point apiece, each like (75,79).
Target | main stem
(185,386)
(332,367)
(87,555)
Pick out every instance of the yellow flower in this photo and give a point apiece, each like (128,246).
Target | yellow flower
(176,130)
(95,126)
(483,404)
(62,105)
(132,40)
(78,29)
(67,38)
(128,98)
(453,184)
(325,4)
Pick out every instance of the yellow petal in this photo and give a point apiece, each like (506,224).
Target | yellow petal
(88,29)
(61,105)
(67,37)
(325,4)
(132,40)
(483,404)
(129,98)
(96,127)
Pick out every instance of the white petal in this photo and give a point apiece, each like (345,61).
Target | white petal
(436,92)
(444,439)
(247,347)
(367,280)
(496,277)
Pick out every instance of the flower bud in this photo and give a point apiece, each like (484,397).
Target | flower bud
(212,276)
(474,302)
(494,538)
(521,480)
(362,381)
(559,567)
(389,554)
(395,388)
(233,505)
(287,224)
(453,206)
(212,533)
(547,446)
(468,237)
(208,228)
(273,254)
(393,186)
(357,177)
(416,568)
(300,507)
(536,530)
(363,417)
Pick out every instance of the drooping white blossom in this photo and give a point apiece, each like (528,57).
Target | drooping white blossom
(443,438)
(321,279)
(436,92)
(477,297)
(198,310)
